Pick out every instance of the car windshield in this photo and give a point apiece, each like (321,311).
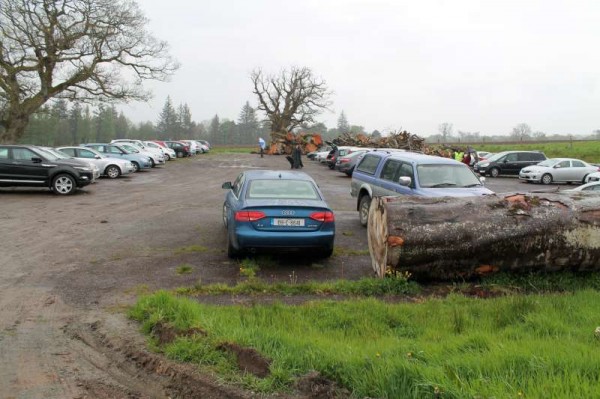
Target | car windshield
(496,157)
(130,148)
(549,162)
(446,176)
(53,155)
(282,189)
(121,148)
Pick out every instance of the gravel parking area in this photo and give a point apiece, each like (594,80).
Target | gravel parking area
(70,264)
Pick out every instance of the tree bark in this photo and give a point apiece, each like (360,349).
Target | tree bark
(449,238)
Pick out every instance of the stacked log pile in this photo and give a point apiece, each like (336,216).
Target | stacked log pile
(283,145)
(401,140)
(459,238)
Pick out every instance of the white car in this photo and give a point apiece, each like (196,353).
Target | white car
(110,167)
(167,152)
(558,170)
(593,187)
(592,177)
(155,157)
(194,148)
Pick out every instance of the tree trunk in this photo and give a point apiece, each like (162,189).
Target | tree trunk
(14,127)
(448,238)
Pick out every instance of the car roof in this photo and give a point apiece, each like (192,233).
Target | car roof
(418,158)
(277,174)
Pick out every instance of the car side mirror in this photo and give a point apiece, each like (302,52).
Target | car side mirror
(36,159)
(404,181)
(97,157)
(505,161)
(226,185)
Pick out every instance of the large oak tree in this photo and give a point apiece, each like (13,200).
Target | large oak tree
(291,98)
(83,50)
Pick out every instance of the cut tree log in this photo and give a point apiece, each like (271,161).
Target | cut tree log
(450,238)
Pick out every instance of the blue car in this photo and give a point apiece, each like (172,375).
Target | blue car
(116,151)
(277,210)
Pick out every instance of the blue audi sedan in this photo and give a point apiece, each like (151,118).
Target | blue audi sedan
(277,210)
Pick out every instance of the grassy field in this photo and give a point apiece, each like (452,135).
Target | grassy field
(588,151)
(516,346)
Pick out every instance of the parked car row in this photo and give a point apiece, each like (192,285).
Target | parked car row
(68,168)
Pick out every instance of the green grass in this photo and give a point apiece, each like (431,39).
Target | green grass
(255,286)
(588,151)
(184,269)
(532,346)
(246,149)
(341,251)
(190,249)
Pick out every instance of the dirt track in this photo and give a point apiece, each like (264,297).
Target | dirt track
(69,266)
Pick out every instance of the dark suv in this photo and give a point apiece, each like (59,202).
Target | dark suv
(508,162)
(30,166)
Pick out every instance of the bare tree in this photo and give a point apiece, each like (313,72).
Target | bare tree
(521,132)
(445,130)
(84,50)
(290,99)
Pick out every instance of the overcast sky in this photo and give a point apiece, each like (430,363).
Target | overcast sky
(481,65)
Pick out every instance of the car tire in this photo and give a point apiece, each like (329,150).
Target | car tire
(167,157)
(583,180)
(179,154)
(363,209)
(112,171)
(326,252)
(232,253)
(494,172)
(64,184)
(136,166)
(153,163)
(225,216)
(546,179)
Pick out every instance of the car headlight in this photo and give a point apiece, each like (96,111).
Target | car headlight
(83,168)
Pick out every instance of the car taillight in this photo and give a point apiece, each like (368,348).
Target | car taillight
(326,217)
(249,216)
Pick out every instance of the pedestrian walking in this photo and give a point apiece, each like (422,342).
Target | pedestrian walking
(262,145)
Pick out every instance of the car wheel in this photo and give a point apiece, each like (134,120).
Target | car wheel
(136,166)
(112,171)
(546,179)
(363,209)
(494,172)
(231,251)
(179,154)
(583,180)
(167,157)
(64,184)
(152,162)
(326,252)
(225,215)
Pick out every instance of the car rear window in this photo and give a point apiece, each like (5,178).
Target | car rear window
(282,189)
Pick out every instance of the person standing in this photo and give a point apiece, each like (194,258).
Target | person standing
(262,145)
(297,157)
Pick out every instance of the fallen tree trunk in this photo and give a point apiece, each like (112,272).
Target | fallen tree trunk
(448,238)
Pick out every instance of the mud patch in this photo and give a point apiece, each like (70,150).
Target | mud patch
(315,386)
(249,360)
(145,374)
(165,333)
